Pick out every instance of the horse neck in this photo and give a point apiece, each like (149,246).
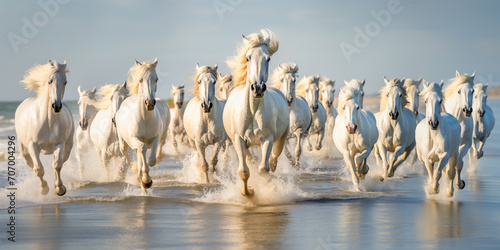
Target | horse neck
(453,108)
(43,105)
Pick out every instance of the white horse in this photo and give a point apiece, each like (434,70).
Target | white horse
(413,97)
(44,124)
(326,97)
(254,116)
(308,88)
(438,138)
(484,121)
(87,114)
(225,85)
(284,78)
(103,130)
(458,102)
(203,117)
(355,133)
(356,84)
(396,126)
(142,121)
(176,114)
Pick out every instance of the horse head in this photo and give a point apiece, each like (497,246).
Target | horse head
(206,78)
(57,84)
(148,80)
(433,102)
(178,94)
(85,97)
(479,99)
(327,91)
(120,93)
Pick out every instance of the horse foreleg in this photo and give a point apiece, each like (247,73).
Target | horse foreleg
(213,161)
(350,164)
(382,153)
(398,151)
(404,156)
(460,164)
(319,140)
(452,162)
(201,154)
(277,148)
(172,135)
(266,147)
(308,140)
(443,161)
(298,146)
(288,154)
(429,165)
(480,151)
(105,160)
(57,165)
(143,168)
(243,171)
(360,162)
(34,152)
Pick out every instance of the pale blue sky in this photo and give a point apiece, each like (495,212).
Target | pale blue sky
(100,39)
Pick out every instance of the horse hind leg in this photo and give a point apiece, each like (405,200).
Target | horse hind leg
(288,154)
(34,153)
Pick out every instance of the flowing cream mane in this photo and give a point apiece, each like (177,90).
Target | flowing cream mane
(325,81)
(301,88)
(238,63)
(136,73)
(203,69)
(346,93)
(36,77)
(223,79)
(282,69)
(456,82)
(105,94)
(383,93)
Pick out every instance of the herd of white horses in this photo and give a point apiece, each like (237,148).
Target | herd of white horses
(247,112)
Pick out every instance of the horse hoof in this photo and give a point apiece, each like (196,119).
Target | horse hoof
(382,179)
(248,193)
(366,169)
(450,193)
(60,191)
(44,190)
(147,185)
(461,185)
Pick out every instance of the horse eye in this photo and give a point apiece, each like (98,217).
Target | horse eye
(357,107)
(50,81)
(268,59)
(440,101)
(140,80)
(459,91)
(66,82)
(248,59)
(472,91)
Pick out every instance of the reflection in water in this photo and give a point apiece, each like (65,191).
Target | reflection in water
(474,181)
(131,220)
(439,220)
(46,222)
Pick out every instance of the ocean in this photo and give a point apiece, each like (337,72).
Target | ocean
(314,207)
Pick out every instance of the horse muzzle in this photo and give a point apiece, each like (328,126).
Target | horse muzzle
(258,90)
(314,108)
(329,103)
(83,124)
(415,112)
(433,124)
(150,104)
(57,106)
(207,106)
(178,104)
(481,112)
(467,111)
(351,128)
(394,115)
(289,100)
(113,121)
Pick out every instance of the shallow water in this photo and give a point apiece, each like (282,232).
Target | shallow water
(311,208)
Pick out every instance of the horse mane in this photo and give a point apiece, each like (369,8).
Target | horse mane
(36,77)
(283,68)
(301,87)
(346,93)
(480,87)
(203,69)
(89,94)
(224,79)
(383,93)
(455,82)
(174,88)
(434,87)
(410,82)
(136,73)
(325,81)
(105,94)
(238,63)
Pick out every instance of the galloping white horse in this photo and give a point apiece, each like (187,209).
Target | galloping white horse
(87,114)
(176,114)
(44,124)
(284,78)
(396,126)
(355,133)
(438,138)
(356,84)
(225,85)
(142,121)
(103,129)
(203,117)
(484,121)
(254,116)
(308,88)
(326,97)
(458,102)
(413,97)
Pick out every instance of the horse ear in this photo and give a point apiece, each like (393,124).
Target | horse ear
(79,89)
(65,63)
(386,80)
(473,75)
(346,82)
(182,86)
(50,62)
(137,63)
(216,66)
(124,85)
(197,67)
(94,90)
(155,62)
(281,67)
(402,81)
(485,86)
(441,84)
(363,82)
(245,39)
(426,84)
(457,73)
(419,80)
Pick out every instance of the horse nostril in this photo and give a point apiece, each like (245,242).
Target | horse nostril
(264,87)
(210,104)
(252,86)
(154,102)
